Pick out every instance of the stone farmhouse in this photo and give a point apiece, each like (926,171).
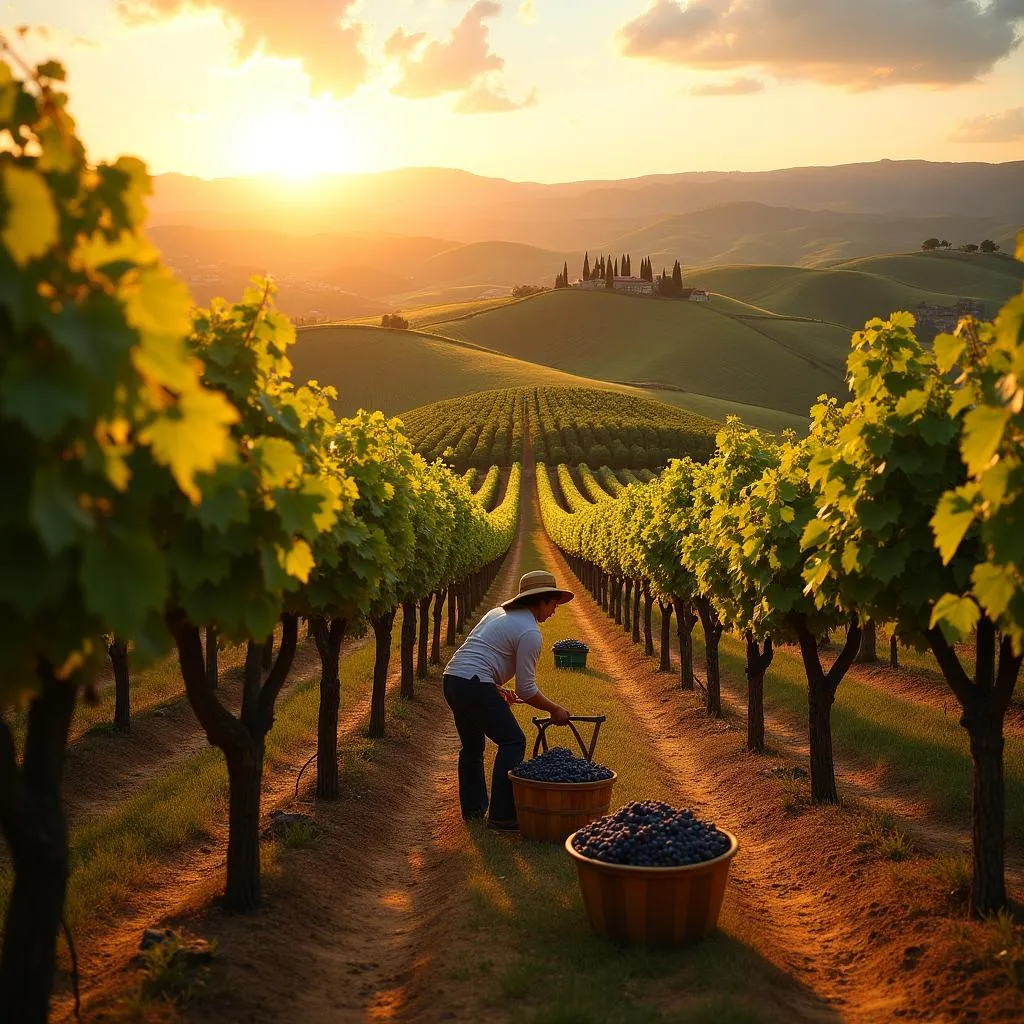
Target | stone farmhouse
(943,319)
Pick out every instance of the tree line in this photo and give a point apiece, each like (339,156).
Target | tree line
(986,245)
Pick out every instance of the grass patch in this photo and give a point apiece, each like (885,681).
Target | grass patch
(884,834)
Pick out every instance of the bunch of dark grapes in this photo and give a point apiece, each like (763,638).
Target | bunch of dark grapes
(652,834)
(561,765)
(570,647)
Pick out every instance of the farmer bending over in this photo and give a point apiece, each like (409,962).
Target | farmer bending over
(505,643)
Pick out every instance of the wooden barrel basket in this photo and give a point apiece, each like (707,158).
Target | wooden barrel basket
(550,811)
(653,906)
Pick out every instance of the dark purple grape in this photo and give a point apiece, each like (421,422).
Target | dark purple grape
(561,765)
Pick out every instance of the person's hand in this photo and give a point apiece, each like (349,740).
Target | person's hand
(510,696)
(560,716)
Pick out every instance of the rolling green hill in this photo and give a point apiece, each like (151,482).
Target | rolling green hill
(374,368)
(768,363)
(853,292)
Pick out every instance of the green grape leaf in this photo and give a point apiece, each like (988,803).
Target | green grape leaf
(952,519)
(948,349)
(983,433)
(31,225)
(192,438)
(956,616)
(994,587)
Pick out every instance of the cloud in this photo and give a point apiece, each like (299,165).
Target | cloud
(734,87)
(323,38)
(482,100)
(864,45)
(1007,126)
(452,66)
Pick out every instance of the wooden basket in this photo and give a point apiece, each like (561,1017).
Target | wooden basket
(653,906)
(549,811)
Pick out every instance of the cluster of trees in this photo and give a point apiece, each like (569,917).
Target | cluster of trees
(165,478)
(521,291)
(902,506)
(671,286)
(395,321)
(987,245)
(562,278)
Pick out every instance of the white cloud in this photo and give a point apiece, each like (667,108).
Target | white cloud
(1007,126)
(865,44)
(326,41)
(483,100)
(734,87)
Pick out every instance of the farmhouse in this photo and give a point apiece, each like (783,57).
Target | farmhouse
(946,318)
(696,294)
(634,285)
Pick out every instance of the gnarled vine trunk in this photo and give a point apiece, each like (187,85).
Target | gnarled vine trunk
(118,651)
(983,701)
(666,635)
(685,621)
(635,634)
(712,627)
(212,670)
(382,627)
(242,740)
(423,642)
(648,617)
(758,660)
(328,635)
(32,819)
(821,694)
(868,653)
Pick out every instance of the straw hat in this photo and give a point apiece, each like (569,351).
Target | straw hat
(535,583)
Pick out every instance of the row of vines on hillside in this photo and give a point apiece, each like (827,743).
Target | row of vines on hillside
(598,428)
(481,430)
(568,424)
(904,506)
(165,478)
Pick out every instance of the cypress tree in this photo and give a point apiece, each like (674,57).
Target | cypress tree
(616,268)
(586,266)
(609,280)
(677,278)
(565,274)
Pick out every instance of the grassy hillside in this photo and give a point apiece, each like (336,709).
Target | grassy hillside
(375,368)
(850,293)
(992,277)
(765,363)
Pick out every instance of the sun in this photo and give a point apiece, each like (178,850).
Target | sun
(295,145)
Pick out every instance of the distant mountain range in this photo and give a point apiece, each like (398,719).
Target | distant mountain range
(354,245)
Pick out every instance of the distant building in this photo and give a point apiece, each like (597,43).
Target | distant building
(634,285)
(944,319)
(592,285)
(696,294)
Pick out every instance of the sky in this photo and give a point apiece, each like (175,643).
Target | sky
(536,90)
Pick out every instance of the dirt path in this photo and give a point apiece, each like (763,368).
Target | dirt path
(193,878)
(356,920)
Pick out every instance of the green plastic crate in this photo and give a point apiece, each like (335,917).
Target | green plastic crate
(575,659)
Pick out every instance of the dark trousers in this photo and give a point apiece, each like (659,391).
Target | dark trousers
(480,711)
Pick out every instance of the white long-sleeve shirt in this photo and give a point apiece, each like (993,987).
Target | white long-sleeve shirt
(503,644)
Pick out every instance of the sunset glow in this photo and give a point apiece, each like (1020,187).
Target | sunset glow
(532,90)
